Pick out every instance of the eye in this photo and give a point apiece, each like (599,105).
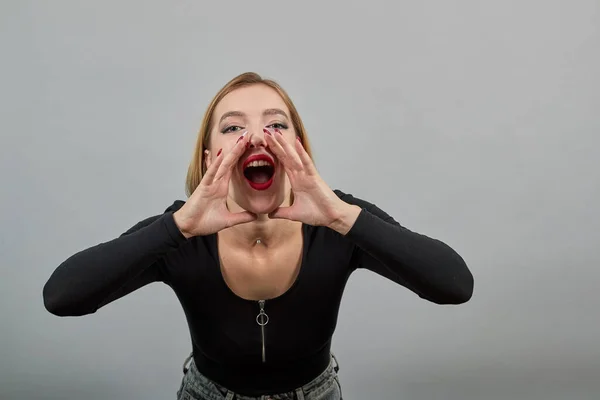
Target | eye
(232,128)
(277,125)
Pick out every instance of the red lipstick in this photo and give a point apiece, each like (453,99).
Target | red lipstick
(259,157)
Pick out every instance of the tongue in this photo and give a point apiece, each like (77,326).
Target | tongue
(258,175)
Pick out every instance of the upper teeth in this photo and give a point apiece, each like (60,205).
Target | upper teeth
(259,163)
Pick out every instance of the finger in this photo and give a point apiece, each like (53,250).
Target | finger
(231,159)
(282,213)
(275,147)
(278,150)
(240,218)
(308,163)
(209,176)
(289,149)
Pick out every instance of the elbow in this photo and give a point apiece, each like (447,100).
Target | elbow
(467,291)
(455,286)
(56,302)
(461,295)
(455,297)
(53,302)
(460,291)
(461,282)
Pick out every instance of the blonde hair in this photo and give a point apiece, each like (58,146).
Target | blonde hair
(197,167)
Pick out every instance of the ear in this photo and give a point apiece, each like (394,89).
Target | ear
(207,159)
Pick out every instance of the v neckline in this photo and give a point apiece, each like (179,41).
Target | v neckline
(214,244)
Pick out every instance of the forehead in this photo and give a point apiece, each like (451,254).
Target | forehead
(250,100)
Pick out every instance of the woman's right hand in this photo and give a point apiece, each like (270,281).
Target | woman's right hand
(206,211)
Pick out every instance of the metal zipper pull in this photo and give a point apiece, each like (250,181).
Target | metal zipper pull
(262,319)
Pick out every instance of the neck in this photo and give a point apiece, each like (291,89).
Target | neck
(264,230)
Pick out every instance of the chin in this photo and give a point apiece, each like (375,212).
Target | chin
(262,207)
(261,204)
(259,201)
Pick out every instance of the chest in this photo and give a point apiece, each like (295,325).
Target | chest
(261,271)
(302,286)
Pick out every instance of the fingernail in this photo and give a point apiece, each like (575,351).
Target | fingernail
(219,153)
(298,139)
(267,132)
(278,131)
(241,137)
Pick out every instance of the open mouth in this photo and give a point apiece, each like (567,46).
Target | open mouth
(259,171)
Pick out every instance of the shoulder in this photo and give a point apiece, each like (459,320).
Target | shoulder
(366,205)
(174,206)
(177,204)
(352,199)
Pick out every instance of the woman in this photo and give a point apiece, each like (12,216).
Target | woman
(258,255)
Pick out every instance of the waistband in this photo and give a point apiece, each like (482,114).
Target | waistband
(260,378)
(213,390)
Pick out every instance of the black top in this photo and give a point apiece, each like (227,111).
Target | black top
(227,341)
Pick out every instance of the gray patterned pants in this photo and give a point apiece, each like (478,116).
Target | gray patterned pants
(195,386)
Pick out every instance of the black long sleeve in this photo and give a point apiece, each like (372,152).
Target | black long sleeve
(226,342)
(426,266)
(103,273)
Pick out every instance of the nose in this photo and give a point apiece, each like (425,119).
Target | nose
(257,138)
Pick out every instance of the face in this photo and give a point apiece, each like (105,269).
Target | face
(261,185)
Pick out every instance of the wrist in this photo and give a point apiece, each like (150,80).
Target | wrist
(345,217)
(180,221)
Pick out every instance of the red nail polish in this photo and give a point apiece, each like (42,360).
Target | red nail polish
(278,131)
(240,138)
(298,139)
(219,153)
(267,132)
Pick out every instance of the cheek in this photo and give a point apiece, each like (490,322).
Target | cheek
(224,142)
(220,141)
(290,136)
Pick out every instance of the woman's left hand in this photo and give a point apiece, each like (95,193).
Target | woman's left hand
(314,202)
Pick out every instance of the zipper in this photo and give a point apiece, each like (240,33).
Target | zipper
(262,319)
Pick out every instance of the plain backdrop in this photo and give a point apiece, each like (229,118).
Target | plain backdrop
(474,122)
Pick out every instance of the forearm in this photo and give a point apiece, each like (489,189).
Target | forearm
(346,215)
(84,281)
(426,265)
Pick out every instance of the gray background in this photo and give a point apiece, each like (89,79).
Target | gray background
(474,122)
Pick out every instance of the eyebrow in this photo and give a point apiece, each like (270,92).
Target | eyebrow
(275,111)
(269,111)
